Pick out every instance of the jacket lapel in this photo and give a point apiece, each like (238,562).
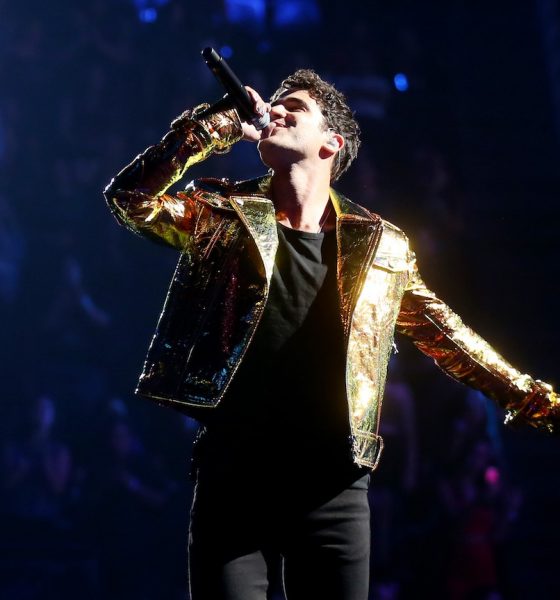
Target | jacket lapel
(256,212)
(358,233)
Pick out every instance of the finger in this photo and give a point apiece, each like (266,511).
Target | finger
(250,133)
(254,94)
(260,106)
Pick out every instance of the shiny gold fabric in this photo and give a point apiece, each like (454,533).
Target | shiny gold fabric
(226,233)
(438,332)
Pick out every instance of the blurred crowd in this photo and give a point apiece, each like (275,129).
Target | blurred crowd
(104,513)
(94,484)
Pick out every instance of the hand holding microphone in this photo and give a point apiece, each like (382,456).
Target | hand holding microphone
(251,132)
(250,106)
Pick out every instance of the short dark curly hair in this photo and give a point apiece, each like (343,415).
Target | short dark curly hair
(335,109)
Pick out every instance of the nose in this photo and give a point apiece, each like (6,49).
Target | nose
(278,111)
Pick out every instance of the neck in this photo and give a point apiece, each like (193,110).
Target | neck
(301,199)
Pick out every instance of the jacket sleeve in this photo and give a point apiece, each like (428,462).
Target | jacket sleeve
(439,333)
(137,195)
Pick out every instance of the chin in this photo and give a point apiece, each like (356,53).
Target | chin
(267,151)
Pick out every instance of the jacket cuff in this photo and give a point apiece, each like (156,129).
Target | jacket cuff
(540,408)
(222,128)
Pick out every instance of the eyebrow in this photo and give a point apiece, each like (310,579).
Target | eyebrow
(291,100)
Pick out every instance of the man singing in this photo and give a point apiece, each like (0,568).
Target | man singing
(276,334)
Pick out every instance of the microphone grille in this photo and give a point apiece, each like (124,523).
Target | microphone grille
(261,122)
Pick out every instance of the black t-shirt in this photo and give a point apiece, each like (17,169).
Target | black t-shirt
(288,397)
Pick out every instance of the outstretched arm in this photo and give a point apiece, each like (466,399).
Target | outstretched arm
(438,332)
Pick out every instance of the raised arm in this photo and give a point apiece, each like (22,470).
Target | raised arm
(137,195)
(439,333)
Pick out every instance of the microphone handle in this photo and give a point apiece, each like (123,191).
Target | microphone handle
(236,91)
(223,73)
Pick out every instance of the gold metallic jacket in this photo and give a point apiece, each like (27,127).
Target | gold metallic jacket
(226,233)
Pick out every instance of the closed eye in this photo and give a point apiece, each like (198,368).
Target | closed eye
(292,104)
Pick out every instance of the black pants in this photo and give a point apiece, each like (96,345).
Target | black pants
(242,521)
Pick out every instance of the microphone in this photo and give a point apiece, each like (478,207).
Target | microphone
(236,92)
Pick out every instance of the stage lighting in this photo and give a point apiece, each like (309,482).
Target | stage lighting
(401,82)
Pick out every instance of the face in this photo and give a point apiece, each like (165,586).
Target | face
(297,131)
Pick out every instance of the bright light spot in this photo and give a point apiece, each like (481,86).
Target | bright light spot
(401,82)
(251,12)
(226,52)
(147,15)
(296,12)
(492,475)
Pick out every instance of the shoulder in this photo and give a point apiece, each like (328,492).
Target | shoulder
(393,250)
(347,207)
(390,229)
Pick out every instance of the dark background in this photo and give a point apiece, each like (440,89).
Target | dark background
(459,105)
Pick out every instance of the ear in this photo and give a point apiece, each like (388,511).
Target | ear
(334,142)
